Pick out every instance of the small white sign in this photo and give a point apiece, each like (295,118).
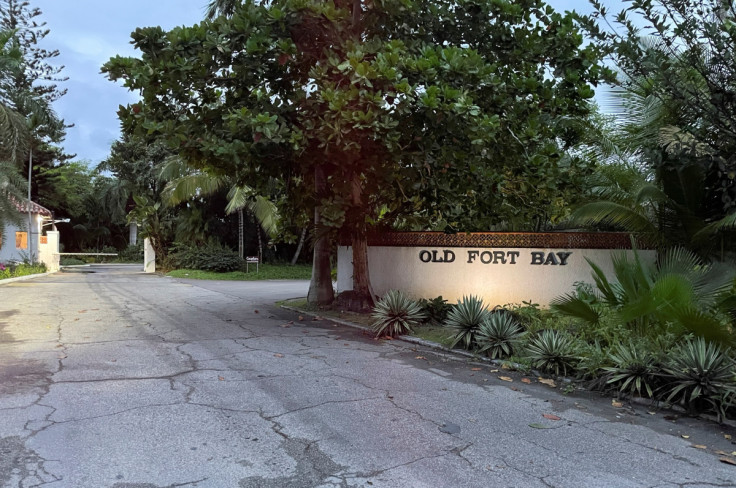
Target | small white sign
(251,259)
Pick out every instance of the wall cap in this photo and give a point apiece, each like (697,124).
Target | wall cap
(540,240)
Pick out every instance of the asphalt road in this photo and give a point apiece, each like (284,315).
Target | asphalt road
(125,380)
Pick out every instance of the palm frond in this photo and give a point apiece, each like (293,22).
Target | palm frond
(264,210)
(191,186)
(726,223)
(574,306)
(613,214)
(14,133)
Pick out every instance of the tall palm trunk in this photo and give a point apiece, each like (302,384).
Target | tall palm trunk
(260,243)
(298,251)
(30,217)
(241,250)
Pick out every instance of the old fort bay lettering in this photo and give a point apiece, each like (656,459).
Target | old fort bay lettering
(536,258)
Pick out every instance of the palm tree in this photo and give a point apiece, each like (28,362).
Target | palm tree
(185,184)
(222,7)
(16,129)
(14,136)
(652,179)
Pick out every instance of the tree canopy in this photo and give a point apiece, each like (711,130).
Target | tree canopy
(679,58)
(450,112)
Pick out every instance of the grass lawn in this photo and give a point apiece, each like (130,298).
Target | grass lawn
(433,333)
(265,272)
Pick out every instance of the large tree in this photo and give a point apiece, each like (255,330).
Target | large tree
(15,128)
(678,57)
(375,109)
(40,76)
(31,90)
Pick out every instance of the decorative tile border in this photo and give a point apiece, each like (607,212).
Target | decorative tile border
(543,240)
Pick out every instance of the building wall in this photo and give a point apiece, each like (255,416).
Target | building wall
(47,253)
(8,252)
(508,275)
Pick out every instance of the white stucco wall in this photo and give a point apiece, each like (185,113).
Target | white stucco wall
(498,283)
(49,252)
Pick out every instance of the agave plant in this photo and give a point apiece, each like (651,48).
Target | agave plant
(497,335)
(701,374)
(396,314)
(634,370)
(553,351)
(464,321)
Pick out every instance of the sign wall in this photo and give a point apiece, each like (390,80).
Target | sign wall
(499,275)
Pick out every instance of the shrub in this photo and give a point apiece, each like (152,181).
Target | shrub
(14,270)
(649,299)
(396,314)
(436,309)
(634,370)
(71,262)
(131,254)
(701,376)
(497,335)
(553,351)
(464,321)
(593,360)
(211,257)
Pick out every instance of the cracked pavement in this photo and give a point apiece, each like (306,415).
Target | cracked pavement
(125,380)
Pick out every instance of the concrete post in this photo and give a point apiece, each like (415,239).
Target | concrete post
(133,234)
(49,252)
(149,257)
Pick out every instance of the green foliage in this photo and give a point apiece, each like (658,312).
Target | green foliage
(211,257)
(678,293)
(701,375)
(498,335)
(131,254)
(593,359)
(428,111)
(65,261)
(14,270)
(265,272)
(435,309)
(553,351)
(464,321)
(674,101)
(396,314)
(634,370)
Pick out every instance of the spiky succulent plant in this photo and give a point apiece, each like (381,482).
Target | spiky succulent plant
(396,314)
(464,321)
(498,334)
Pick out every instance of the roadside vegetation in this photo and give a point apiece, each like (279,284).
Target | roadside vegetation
(265,272)
(15,270)
(661,331)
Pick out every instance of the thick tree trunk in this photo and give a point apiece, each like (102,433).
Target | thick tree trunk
(320,287)
(302,238)
(362,296)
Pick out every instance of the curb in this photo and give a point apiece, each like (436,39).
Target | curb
(454,353)
(26,277)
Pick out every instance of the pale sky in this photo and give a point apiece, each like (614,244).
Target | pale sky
(88,32)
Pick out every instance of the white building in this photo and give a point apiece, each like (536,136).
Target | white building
(18,245)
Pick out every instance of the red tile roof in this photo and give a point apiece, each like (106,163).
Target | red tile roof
(35,208)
